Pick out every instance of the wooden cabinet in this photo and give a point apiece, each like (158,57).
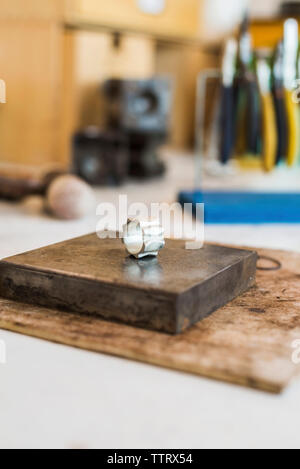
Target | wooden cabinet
(180,18)
(2,91)
(89,59)
(32,9)
(31,34)
(30,60)
(53,65)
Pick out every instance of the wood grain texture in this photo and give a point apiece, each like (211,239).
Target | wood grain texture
(248,342)
(30,63)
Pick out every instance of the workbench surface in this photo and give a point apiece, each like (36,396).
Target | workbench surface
(55,396)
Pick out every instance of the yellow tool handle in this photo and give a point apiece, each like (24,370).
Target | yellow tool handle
(293,128)
(269,132)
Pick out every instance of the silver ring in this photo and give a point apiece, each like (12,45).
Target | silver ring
(143,237)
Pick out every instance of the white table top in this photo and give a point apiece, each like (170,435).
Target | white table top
(53,396)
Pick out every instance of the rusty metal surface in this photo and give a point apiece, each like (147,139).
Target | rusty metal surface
(93,276)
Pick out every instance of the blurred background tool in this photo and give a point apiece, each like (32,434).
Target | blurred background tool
(136,123)
(139,105)
(227,117)
(62,195)
(290,9)
(290,43)
(266,132)
(16,183)
(70,198)
(140,110)
(100,157)
(248,112)
(279,103)
(269,131)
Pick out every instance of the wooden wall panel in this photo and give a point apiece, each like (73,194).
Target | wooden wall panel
(30,65)
(32,9)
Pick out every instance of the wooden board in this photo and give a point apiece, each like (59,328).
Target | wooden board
(96,276)
(248,342)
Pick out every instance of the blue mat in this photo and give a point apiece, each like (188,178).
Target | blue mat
(246,207)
